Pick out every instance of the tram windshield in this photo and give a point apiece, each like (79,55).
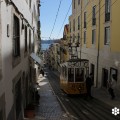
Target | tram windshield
(70,74)
(79,74)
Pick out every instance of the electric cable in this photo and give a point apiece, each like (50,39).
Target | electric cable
(64,19)
(55,18)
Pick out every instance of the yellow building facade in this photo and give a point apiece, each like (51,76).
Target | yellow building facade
(64,44)
(95,24)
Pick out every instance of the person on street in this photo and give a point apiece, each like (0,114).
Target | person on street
(111,86)
(89,83)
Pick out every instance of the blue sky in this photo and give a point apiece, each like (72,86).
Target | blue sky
(48,11)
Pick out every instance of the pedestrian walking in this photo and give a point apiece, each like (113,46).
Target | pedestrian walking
(89,83)
(111,86)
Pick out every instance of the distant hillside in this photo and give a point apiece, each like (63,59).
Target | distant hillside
(48,41)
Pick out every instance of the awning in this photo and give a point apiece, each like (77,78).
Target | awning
(36,58)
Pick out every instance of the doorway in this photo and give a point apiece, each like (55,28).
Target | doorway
(104,77)
(92,69)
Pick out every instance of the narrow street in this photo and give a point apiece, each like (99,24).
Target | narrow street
(77,107)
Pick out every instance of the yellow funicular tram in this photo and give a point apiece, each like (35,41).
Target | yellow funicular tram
(72,76)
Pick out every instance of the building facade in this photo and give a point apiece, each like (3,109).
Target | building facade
(18,35)
(95,24)
(64,51)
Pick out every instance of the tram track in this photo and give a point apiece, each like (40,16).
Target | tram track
(95,114)
(99,106)
(84,110)
(70,108)
(69,105)
(80,108)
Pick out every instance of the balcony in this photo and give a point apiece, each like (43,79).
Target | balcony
(107,17)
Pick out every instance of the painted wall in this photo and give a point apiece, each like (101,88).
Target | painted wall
(8,71)
(109,55)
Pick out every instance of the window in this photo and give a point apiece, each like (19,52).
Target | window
(78,22)
(93,36)
(73,38)
(78,2)
(25,38)
(78,38)
(70,74)
(94,16)
(107,10)
(84,19)
(74,4)
(16,37)
(30,40)
(79,75)
(107,35)
(74,25)
(107,6)
(84,37)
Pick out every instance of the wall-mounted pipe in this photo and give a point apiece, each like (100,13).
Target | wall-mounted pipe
(98,50)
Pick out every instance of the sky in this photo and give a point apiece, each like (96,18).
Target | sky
(48,13)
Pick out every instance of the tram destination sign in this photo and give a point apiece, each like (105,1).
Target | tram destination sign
(78,63)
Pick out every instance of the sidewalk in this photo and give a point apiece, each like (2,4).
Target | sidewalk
(103,95)
(49,108)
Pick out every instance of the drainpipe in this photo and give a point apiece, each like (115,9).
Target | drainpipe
(98,50)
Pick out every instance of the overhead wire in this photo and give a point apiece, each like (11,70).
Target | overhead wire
(64,19)
(55,18)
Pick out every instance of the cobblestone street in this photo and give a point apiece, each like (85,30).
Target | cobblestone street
(49,108)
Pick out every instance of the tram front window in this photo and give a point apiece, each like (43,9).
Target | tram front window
(79,75)
(70,74)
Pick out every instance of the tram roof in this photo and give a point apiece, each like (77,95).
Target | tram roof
(77,60)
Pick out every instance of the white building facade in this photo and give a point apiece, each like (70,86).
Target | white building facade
(18,37)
